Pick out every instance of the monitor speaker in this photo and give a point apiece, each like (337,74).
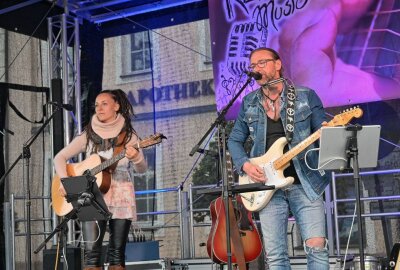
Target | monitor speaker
(73,259)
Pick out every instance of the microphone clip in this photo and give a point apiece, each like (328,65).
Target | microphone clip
(253,74)
(67,107)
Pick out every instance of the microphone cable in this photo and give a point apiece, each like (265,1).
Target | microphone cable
(122,16)
(26,42)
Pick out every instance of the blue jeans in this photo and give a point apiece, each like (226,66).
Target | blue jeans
(309,216)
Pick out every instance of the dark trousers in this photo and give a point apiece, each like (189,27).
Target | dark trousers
(93,235)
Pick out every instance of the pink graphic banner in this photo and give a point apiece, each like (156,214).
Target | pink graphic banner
(346,50)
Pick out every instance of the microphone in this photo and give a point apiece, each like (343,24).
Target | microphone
(67,107)
(253,74)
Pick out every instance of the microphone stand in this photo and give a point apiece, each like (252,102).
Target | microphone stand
(25,155)
(85,198)
(220,121)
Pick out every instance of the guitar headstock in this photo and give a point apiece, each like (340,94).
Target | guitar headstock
(345,117)
(152,140)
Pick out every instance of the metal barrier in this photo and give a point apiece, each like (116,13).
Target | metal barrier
(186,223)
(336,201)
(333,232)
(192,211)
(180,210)
(208,224)
(9,218)
(9,214)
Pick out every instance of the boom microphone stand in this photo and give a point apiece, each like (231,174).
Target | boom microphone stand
(25,155)
(227,191)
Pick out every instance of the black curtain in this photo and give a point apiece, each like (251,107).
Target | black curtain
(92,49)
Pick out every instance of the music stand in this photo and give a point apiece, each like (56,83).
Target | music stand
(84,195)
(340,148)
(332,151)
(87,201)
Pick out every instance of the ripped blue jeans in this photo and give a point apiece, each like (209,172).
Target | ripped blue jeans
(310,217)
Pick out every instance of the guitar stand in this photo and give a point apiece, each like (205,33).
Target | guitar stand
(232,191)
(88,205)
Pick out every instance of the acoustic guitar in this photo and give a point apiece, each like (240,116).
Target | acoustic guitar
(249,236)
(96,166)
(274,162)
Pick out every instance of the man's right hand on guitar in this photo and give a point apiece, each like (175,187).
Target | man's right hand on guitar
(254,171)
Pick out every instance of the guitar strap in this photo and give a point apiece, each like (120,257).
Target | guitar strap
(235,237)
(290,100)
(119,146)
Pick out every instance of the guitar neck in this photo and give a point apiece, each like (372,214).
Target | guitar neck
(289,155)
(107,163)
(150,141)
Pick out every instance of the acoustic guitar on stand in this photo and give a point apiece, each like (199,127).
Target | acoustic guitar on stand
(96,166)
(274,162)
(250,241)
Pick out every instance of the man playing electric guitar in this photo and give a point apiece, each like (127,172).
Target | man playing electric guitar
(278,109)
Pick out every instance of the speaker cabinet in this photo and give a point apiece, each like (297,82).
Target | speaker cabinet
(58,124)
(73,259)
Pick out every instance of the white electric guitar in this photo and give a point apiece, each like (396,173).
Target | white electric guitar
(274,162)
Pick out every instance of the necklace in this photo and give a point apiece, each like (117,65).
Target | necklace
(270,102)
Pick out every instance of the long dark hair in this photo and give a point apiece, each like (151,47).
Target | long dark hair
(125,109)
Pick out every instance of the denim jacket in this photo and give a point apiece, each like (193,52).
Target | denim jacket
(252,122)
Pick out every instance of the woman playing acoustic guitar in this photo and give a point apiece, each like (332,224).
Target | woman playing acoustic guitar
(109,129)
